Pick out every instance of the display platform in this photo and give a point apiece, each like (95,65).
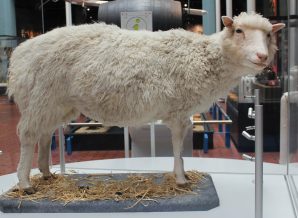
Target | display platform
(233,181)
(202,198)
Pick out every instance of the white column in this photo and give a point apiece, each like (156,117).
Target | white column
(68,13)
(229,8)
(218,15)
(251,5)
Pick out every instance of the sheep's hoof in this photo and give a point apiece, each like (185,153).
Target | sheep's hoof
(47,177)
(181,182)
(29,190)
(182,185)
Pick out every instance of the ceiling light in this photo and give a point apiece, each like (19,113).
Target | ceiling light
(101,2)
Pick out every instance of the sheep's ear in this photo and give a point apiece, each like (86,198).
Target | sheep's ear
(277,26)
(227,21)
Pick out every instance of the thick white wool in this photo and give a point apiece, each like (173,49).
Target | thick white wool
(252,20)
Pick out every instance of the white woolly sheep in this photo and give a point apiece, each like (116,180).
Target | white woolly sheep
(128,78)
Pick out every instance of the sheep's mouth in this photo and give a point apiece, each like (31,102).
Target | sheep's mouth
(259,64)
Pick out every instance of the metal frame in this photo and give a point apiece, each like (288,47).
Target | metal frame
(258,138)
(258,157)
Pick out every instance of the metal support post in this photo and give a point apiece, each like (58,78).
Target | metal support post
(152,139)
(61,149)
(126,142)
(258,138)
(258,156)
(257,97)
(259,162)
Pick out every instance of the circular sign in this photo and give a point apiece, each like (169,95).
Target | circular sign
(136,23)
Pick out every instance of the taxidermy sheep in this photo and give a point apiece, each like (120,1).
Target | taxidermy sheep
(128,78)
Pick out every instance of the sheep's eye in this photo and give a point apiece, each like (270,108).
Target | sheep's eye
(238,31)
(268,35)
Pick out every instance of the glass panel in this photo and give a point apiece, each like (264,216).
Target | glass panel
(6,46)
(293,88)
(220,141)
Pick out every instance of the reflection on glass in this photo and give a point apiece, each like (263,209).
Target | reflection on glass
(293,88)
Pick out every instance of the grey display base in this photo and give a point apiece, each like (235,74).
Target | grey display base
(206,199)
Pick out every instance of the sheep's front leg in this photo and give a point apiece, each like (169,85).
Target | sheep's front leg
(179,130)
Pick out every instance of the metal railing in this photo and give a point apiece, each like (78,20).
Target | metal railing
(224,120)
(221,118)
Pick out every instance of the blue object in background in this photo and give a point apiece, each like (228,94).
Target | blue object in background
(205,143)
(219,118)
(53,143)
(69,145)
(228,136)
(7,18)
(209,18)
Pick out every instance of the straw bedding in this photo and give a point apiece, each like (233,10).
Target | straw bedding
(139,187)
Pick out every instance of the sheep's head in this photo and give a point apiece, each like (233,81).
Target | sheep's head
(249,39)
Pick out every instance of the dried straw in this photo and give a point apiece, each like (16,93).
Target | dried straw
(141,188)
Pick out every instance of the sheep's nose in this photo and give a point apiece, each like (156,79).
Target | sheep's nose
(262,57)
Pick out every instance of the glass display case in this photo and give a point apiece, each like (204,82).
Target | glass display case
(234,177)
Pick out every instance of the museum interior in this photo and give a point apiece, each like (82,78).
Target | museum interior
(246,140)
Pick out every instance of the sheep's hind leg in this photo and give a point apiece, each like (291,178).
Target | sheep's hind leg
(44,155)
(24,167)
(179,130)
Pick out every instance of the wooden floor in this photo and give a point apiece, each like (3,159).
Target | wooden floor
(9,145)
